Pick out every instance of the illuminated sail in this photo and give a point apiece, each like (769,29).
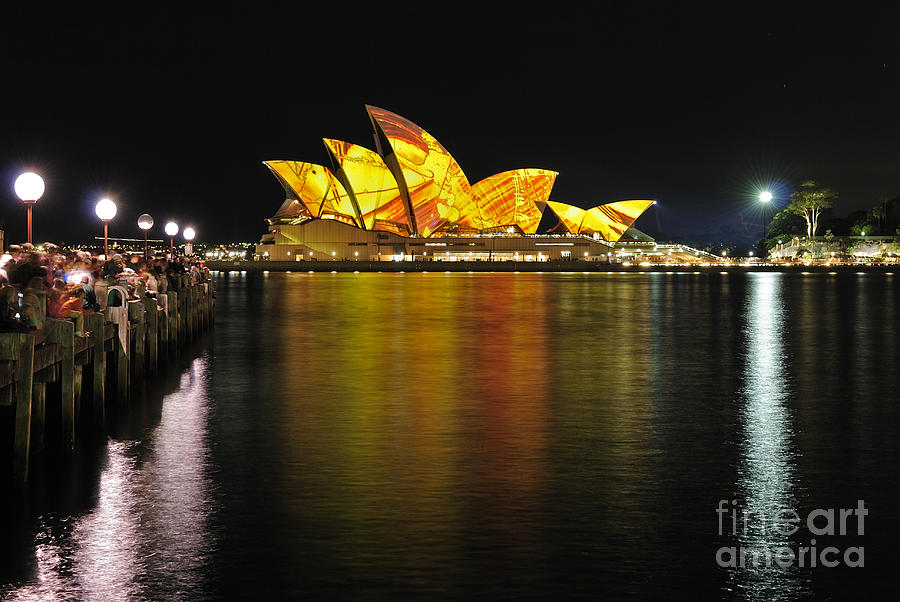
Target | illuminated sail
(434,184)
(369,183)
(316,188)
(569,215)
(613,219)
(511,197)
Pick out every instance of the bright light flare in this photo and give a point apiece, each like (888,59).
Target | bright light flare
(105,209)
(29,187)
(765,196)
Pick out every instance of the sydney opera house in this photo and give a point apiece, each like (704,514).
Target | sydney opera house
(409,200)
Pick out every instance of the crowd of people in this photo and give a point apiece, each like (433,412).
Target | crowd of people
(38,287)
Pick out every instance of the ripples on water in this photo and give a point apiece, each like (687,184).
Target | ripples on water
(453,435)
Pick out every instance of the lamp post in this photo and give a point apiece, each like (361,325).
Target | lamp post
(172,230)
(765,197)
(145,222)
(105,210)
(189,234)
(29,188)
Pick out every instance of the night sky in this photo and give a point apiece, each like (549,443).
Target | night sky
(172,111)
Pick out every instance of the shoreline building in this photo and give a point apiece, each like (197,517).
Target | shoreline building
(409,200)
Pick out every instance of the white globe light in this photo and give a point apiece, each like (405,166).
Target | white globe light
(105,209)
(765,196)
(145,221)
(29,187)
(189,233)
(171,228)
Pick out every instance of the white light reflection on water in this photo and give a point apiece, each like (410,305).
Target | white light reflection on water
(766,479)
(148,534)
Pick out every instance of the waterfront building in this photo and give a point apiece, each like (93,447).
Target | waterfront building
(409,200)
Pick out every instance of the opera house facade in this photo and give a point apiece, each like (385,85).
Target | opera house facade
(409,200)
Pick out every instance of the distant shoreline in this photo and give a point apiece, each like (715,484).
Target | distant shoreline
(521,266)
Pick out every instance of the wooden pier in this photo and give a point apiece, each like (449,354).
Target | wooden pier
(52,372)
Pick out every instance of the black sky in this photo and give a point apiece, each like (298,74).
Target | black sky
(172,110)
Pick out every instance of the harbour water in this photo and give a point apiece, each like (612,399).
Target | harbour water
(446,436)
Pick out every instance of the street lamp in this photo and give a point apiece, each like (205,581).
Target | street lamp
(765,197)
(105,210)
(171,230)
(189,234)
(29,188)
(145,222)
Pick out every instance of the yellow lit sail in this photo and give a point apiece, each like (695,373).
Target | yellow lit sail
(370,183)
(511,197)
(613,219)
(437,188)
(307,183)
(316,188)
(569,215)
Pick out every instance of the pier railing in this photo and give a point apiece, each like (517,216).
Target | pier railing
(76,378)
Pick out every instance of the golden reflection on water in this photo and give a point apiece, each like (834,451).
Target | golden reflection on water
(433,391)
(443,396)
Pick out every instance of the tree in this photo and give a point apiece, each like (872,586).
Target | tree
(878,213)
(809,201)
(783,226)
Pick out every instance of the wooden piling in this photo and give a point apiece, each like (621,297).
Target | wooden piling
(151,319)
(63,333)
(121,359)
(138,356)
(18,348)
(38,415)
(96,324)
(28,361)
(173,322)
(162,354)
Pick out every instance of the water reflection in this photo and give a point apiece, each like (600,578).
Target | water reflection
(765,474)
(148,532)
(555,436)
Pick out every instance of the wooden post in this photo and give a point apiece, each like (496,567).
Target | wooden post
(151,319)
(163,350)
(64,334)
(198,307)
(121,366)
(101,291)
(212,302)
(38,415)
(136,317)
(191,312)
(96,324)
(77,384)
(19,347)
(173,323)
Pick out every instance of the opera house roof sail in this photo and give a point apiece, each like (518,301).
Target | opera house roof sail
(411,186)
